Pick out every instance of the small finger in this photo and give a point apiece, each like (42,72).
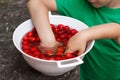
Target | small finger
(81,51)
(59,44)
(68,50)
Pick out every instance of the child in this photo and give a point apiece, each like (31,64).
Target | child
(103,18)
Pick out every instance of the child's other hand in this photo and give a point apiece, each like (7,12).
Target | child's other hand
(77,42)
(50,46)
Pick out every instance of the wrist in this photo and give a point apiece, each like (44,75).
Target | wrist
(85,35)
(89,34)
(48,43)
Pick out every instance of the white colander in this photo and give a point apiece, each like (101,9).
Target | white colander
(48,67)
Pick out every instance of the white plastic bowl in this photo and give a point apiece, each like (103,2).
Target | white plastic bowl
(48,67)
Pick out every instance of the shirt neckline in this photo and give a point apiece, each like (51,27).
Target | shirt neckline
(110,10)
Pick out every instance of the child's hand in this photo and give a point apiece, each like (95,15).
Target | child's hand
(52,46)
(77,42)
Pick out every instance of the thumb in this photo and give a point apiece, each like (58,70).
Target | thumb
(81,51)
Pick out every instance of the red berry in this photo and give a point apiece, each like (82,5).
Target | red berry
(59,53)
(63,36)
(69,36)
(25,47)
(66,28)
(34,49)
(32,39)
(69,55)
(37,39)
(25,42)
(49,52)
(25,38)
(58,58)
(65,41)
(51,58)
(52,26)
(26,51)
(29,34)
(34,30)
(36,53)
(60,26)
(73,31)
(76,53)
(55,30)
(58,39)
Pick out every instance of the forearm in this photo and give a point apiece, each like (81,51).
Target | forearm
(39,15)
(110,30)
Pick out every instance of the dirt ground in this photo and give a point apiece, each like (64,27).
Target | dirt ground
(12,64)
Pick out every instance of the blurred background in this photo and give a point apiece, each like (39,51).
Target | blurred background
(12,13)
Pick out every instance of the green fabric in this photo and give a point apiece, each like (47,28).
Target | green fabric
(103,61)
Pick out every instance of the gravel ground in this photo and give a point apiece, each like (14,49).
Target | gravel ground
(12,64)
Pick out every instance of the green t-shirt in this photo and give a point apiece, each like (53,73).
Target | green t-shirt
(103,61)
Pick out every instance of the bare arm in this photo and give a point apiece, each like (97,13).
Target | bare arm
(79,41)
(38,10)
(109,30)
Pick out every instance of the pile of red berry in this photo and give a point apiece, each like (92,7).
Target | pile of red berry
(31,41)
